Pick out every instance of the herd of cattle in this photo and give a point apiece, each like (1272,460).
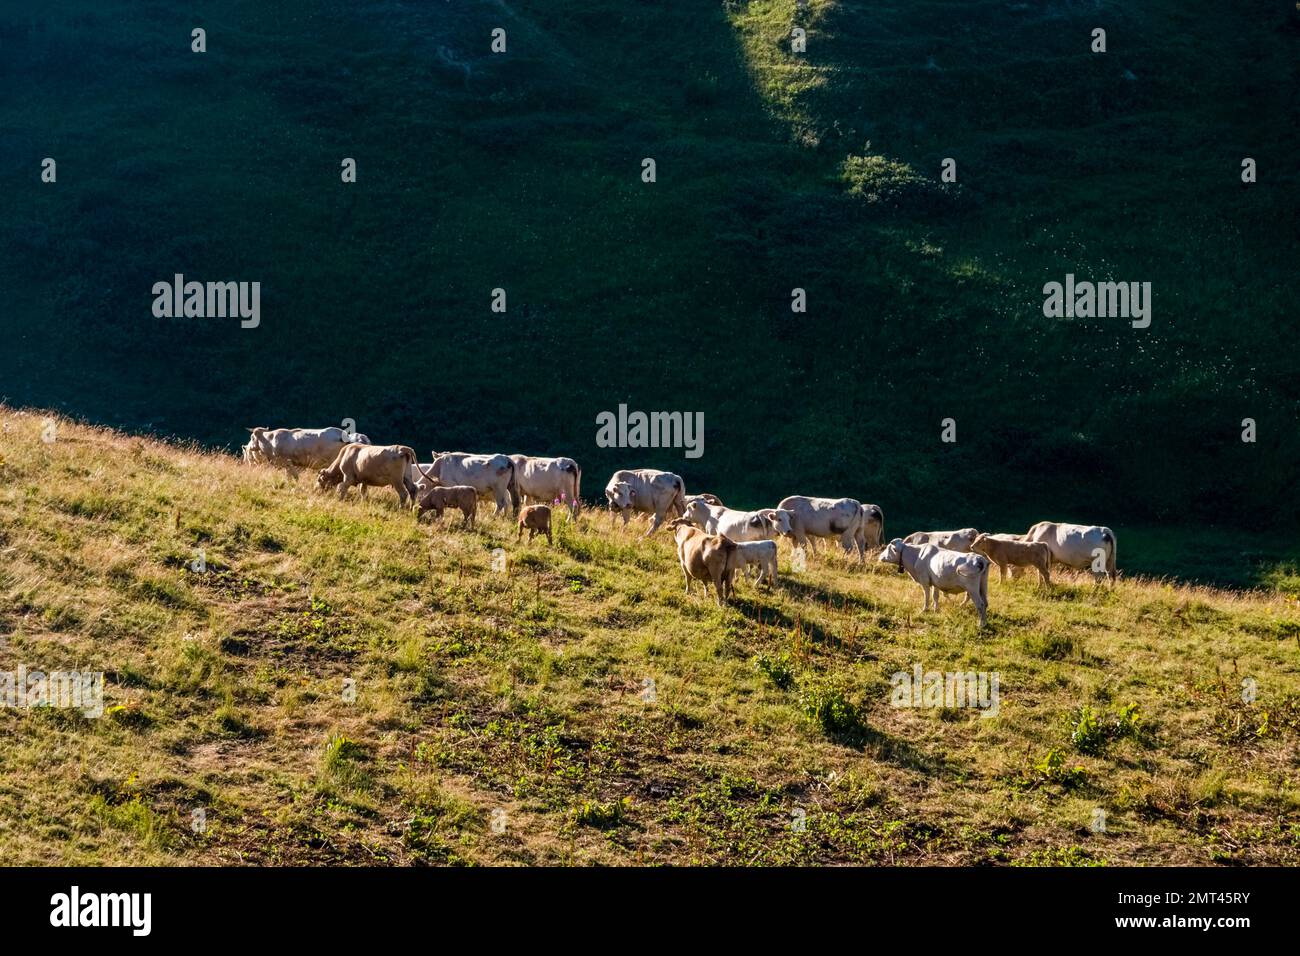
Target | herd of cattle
(714,542)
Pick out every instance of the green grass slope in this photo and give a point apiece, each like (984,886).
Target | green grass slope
(578,707)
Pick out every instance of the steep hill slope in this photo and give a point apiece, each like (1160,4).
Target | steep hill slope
(776,171)
(577,707)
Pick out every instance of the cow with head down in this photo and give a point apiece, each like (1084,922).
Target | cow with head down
(656,493)
(370,466)
(492,476)
(1079,546)
(295,449)
(840,518)
(766,524)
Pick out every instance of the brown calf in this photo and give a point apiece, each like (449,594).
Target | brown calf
(1007,552)
(441,497)
(537,519)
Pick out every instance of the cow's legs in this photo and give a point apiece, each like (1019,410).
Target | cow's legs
(655,522)
(344,485)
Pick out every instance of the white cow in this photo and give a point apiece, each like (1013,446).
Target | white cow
(943,570)
(812,518)
(762,525)
(547,480)
(648,491)
(1080,546)
(492,476)
(759,554)
(873,526)
(295,449)
(951,540)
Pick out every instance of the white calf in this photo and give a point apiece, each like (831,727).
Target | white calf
(759,554)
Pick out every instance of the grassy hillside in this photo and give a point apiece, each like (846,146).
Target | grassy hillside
(775,171)
(505,717)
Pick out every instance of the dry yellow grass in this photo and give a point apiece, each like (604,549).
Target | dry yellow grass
(579,708)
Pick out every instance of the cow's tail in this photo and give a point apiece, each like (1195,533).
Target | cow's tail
(409,454)
(679,501)
(513,487)
(577,487)
(1109,537)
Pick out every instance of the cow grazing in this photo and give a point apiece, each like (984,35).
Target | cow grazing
(537,519)
(295,449)
(549,480)
(370,466)
(1079,546)
(705,557)
(648,491)
(950,540)
(944,571)
(1011,551)
(492,476)
(757,554)
(762,525)
(842,518)
(439,498)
